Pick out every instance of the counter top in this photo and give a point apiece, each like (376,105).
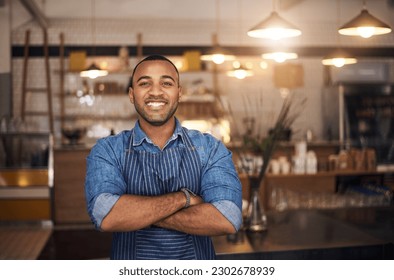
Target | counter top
(350,233)
(74,147)
(290,144)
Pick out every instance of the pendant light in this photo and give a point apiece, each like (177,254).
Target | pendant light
(239,71)
(279,57)
(93,71)
(217,54)
(274,27)
(364,25)
(339,57)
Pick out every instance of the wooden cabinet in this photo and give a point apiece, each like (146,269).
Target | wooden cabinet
(69,195)
(25,181)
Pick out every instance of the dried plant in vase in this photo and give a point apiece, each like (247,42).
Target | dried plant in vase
(256,151)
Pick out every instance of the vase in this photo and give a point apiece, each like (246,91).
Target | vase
(256,220)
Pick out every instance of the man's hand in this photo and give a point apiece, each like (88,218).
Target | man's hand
(195,200)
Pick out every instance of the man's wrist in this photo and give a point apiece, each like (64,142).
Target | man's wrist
(187,195)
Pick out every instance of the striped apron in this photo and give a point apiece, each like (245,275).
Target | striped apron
(151,174)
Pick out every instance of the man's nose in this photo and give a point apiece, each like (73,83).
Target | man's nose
(156,89)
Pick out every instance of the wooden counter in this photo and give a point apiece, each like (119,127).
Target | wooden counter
(351,233)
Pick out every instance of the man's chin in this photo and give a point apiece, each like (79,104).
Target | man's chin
(158,121)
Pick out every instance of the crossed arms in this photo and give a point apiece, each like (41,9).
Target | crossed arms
(132,212)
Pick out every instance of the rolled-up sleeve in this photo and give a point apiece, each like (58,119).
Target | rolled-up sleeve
(231,211)
(220,183)
(104,183)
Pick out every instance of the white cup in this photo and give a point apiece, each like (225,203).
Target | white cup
(285,167)
(275,166)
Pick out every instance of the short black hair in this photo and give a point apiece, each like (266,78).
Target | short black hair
(151,58)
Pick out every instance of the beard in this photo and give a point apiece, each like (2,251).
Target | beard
(156,119)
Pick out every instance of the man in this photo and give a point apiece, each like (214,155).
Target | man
(161,188)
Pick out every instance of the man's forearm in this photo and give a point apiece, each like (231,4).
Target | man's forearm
(132,212)
(201,219)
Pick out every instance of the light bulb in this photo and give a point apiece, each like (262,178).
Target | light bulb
(240,74)
(280,33)
(218,58)
(280,57)
(93,74)
(366,31)
(338,62)
(276,33)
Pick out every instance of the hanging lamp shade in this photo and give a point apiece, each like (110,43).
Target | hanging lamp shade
(274,27)
(217,54)
(365,25)
(279,56)
(240,72)
(93,71)
(339,58)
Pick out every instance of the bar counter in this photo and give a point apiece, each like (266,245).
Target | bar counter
(347,233)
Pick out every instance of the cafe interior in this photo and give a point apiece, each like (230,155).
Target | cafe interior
(300,91)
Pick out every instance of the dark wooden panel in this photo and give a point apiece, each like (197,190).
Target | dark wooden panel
(69,195)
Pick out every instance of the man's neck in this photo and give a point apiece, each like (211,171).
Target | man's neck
(159,134)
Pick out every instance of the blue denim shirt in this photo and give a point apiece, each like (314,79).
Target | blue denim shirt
(105,184)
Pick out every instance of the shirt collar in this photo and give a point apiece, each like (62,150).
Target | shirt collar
(139,135)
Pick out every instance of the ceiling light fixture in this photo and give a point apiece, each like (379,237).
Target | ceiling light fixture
(339,58)
(217,54)
(279,57)
(239,71)
(274,27)
(93,71)
(365,25)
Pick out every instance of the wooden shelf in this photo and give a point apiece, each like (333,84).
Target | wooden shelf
(336,173)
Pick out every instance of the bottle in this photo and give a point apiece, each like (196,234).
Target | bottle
(343,160)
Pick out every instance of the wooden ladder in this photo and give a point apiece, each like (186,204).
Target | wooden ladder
(34,90)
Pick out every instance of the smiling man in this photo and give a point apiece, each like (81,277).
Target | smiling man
(162,189)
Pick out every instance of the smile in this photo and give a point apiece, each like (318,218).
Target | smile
(155,104)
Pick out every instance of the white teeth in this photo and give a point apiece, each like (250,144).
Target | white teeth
(155,104)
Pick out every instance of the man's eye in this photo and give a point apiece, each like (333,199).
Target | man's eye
(168,84)
(143,84)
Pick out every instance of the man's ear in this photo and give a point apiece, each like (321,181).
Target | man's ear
(131,95)
(179,93)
